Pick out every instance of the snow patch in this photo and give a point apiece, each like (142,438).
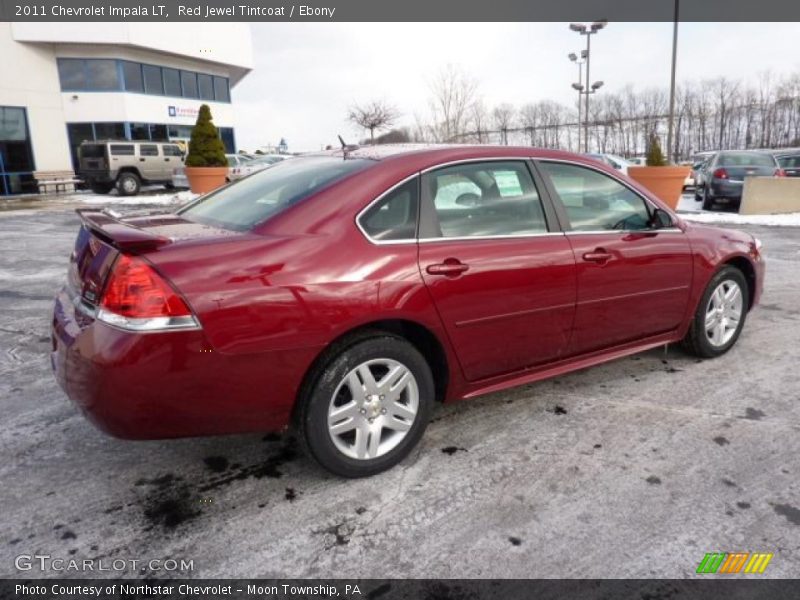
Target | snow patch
(162,199)
(783,220)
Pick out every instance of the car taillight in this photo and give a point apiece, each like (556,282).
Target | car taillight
(780,173)
(136,297)
(720,174)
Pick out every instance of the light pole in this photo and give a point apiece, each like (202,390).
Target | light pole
(578,86)
(588,31)
(671,121)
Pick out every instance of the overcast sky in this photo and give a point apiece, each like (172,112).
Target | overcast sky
(307,74)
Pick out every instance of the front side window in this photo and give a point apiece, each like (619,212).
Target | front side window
(172,151)
(267,193)
(485,199)
(394,217)
(596,202)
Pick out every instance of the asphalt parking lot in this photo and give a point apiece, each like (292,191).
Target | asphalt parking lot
(633,469)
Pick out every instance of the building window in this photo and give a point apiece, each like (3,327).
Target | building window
(102,75)
(158,133)
(172,82)
(16,153)
(206,87)
(221,92)
(109,131)
(153,83)
(226,134)
(132,73)
(108,75)
(140,131)
(189,84)
(72,74)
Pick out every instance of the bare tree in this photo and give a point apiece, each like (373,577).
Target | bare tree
(454,93)
(503,116)
(372,116)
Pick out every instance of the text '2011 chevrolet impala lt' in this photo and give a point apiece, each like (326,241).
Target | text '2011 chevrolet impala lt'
(344,293)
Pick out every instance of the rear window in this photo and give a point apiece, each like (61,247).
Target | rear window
(746,159)
(93,151)
(256,198)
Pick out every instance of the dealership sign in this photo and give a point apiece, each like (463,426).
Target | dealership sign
(182,111)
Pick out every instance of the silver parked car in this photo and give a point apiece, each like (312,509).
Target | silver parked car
(127,165)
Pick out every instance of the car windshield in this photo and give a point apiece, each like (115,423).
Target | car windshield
(256,198)
(746,159)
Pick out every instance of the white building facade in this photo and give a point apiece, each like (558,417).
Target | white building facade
(64,83)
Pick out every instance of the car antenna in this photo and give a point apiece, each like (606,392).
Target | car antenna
(346,148)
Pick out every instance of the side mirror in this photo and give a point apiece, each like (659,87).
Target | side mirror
(661,219)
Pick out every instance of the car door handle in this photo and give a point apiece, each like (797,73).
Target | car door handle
(598,256)
(141,160)
(450,268)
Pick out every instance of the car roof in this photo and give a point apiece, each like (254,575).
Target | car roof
(441,153)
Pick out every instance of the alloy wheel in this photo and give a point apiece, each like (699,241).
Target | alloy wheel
(373,408)
(723,313)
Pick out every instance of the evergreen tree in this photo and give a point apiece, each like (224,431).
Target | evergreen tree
(655,157)
(205,146)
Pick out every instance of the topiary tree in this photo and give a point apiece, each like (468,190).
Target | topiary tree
(655,157)
(205,146)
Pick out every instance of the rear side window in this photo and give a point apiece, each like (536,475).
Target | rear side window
(267,193)
(394,217)
(485,199)
(121,149)
(148,150)
(93,151)
(596,202)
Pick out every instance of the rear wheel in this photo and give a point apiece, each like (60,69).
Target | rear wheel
(368,406)
(128,184)
(720,315)
(708,201)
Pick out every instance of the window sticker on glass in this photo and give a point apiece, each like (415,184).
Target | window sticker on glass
(508,183)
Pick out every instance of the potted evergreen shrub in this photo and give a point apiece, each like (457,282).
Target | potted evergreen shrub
(206,164)
(661,178)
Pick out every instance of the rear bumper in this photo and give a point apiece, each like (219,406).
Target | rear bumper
(169,384)
(726,189)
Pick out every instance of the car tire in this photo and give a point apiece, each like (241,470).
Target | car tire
(697,196)
(708,201)
(345,416)
(102,188)
(128,184)
(710,334)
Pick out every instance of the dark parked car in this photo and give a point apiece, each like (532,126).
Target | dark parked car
(722,176)
(789,162)
(345,294)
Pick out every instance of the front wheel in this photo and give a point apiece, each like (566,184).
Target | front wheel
(128,184)
(368,406)
(720,315)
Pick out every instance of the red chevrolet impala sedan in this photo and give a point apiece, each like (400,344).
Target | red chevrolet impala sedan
(345,293)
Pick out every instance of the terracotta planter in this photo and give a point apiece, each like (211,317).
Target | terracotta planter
(664,182)
(206,179)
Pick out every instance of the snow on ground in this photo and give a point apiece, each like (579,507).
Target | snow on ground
(692,210)
(165,199)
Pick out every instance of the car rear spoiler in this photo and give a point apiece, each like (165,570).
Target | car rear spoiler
(121,235)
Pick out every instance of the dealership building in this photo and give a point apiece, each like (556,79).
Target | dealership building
(63,83)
